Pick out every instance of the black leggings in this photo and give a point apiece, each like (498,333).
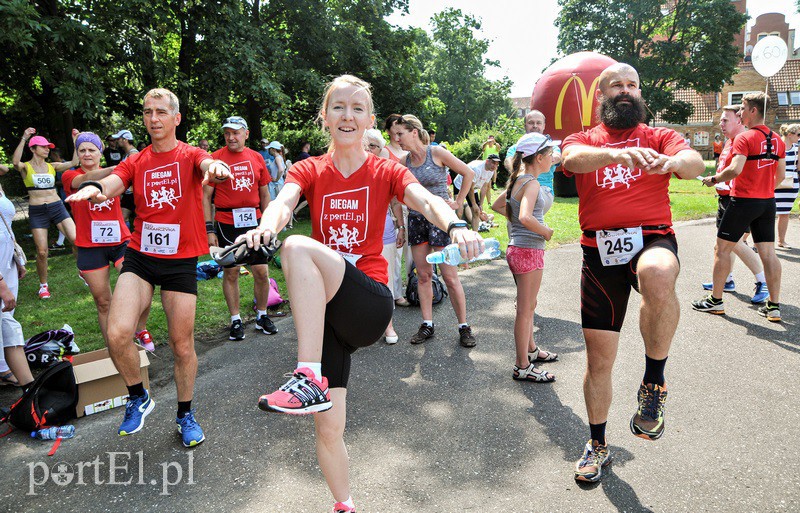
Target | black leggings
(355,317)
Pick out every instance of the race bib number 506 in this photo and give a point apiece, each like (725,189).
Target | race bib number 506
(160,239)
(618,247)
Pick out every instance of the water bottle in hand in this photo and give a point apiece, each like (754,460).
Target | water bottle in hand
(451,255)
(54,432)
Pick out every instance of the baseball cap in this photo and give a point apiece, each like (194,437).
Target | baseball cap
(123,134)
(275,144)
(38,140)
(534,142)
(236,123)
(494,156)
(265,141)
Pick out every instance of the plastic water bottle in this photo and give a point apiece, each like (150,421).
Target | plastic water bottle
(451,255)
(54,432)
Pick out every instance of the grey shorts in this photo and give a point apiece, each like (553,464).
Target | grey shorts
(42,216)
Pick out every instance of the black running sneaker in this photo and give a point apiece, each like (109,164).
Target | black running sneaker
(465,337)
(237,330)
(265,324)
(710,305)
(425,332)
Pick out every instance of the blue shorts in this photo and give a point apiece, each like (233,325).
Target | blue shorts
(99,257)
(42,216)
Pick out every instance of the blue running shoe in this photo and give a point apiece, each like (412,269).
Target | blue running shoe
(190,430)
(761,294)
(730,286)
(136,410)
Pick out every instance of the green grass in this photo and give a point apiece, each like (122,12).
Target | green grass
(72,303)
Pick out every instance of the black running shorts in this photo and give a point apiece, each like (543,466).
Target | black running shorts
(605,290)
(99,257)
(723,202)
(758,214)
(175,274)
(422,231)
(356,316)
(227,234)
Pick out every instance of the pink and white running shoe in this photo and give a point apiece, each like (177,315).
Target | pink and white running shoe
(144,339)
(302,394)
(341,507)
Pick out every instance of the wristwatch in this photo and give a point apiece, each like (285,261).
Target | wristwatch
(455,224)
(714,179)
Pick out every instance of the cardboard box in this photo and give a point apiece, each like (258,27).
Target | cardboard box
(100,387)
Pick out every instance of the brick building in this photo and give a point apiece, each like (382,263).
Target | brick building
(784,87)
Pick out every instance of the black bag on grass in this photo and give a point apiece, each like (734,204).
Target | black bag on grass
(439,290)
(50,400)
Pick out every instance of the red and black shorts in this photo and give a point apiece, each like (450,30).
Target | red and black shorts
(99,257)
(605,289)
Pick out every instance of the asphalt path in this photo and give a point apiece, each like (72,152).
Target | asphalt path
(440,428)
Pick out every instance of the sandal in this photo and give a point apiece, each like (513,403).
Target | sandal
(531,373)
(8,378)
(536,356)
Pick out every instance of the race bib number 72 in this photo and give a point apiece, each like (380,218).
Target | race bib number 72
(618,247)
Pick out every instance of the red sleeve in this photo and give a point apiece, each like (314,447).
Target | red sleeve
(670,142)
(199,156)
(66,180)
(301,174)
(401,178)
(125,171)
(576,138)
(741,145)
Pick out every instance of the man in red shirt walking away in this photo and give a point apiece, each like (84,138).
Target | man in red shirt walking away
(239,203)
(758,166)
(167,179)
(622,170)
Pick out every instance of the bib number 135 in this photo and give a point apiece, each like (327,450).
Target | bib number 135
(618,247)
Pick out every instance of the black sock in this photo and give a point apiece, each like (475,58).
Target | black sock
(654,371)
(184,407)
(714,299)
(598,432)
(136,390)
(771,304)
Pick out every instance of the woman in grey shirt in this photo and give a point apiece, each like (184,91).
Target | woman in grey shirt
(428,165)
(524,203)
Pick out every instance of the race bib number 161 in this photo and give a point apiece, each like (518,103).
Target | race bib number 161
(160,239)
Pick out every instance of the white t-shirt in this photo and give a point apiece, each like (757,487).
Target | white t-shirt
(482,176)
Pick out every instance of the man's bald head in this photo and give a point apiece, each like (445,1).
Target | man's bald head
(617,71)
(534,122)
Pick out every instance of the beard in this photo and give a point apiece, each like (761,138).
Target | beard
(615,115)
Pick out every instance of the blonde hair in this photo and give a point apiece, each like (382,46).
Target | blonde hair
(412,122)
(159,93)
(373,135)
(342,81)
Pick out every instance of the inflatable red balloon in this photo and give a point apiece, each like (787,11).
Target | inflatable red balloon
(565,93)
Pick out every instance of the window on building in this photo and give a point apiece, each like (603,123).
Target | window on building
(736,98)
(765,34)
(794,97)
(700,139)
(783,99)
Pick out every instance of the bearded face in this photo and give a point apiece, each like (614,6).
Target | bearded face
(622,111)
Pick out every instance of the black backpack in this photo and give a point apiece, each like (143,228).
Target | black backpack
(50,400)
(439,290)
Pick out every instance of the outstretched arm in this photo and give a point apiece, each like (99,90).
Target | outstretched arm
(16,160)
(277,215)
(63,166)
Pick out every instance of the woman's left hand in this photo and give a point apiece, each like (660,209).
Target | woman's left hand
(21,271)
(469,242)
(452,204)
(401,238)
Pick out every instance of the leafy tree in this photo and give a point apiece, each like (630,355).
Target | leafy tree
(457,67)
(678,44)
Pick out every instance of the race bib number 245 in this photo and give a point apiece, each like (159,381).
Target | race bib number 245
(618,247)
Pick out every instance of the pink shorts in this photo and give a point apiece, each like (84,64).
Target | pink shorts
(524,260)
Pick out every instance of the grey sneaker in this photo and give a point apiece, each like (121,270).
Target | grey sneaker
(710,305)
(771,311)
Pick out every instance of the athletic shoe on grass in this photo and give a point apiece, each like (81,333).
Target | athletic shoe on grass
(136,410)
(648,422)
(190,430)
(595,458)
(304,393)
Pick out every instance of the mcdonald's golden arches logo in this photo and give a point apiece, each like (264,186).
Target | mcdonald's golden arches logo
(585,100)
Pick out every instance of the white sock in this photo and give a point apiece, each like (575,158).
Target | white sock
(42,285)
(60,240)
(429,323)
(260,313)
(236,317)
(463,325)
(730,277)
(349,502)
(761,278)
(316,367)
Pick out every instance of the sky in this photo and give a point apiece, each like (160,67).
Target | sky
(524,48)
